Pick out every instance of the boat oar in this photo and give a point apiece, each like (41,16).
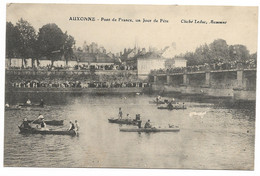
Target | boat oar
(34,120)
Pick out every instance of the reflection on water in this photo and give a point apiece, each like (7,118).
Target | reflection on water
(212,136)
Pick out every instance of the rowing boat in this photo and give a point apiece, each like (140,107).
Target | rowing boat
(123,121)
(155,102)
(174,107)
(31,105)
(48,122)
(12,108)
(39,131)
(150,130)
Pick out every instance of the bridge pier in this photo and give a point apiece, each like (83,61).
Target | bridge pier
(240,78)
(169,79)
(207,80)
(155,79)
(185,79)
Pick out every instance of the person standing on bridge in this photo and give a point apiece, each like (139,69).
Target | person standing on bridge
(120,113)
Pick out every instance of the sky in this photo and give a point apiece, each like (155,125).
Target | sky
(240,27)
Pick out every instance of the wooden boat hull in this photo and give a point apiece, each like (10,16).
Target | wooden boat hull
(175,107)
(154,102)
(11,109)
(48,122)
(123,121)
(31,105)
(45,132)
(150,130)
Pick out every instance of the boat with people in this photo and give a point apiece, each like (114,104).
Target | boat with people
(48,122)
(150,130)
(28,103)
(123,121)
(159,100)
(46,132)
(126,121)
(173,105)
(172,108)
(9,107)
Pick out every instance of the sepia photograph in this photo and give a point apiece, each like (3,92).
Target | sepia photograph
(130,86)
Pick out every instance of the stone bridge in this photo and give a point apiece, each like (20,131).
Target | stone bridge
(239,83)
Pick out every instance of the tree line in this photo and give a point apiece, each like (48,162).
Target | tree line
(22,41)
(218,52)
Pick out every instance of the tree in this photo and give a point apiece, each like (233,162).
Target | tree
(26,41)
(219,50)
(253,56)
(51,42)
(12,34)
(68,47)
(238,53)
(202,54)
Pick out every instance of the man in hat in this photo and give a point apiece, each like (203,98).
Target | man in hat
(28,102)
(41,103)
(40,117)
(25,124)
(120,113)
(72,126)
(148,124)
(43,124)
(76,125)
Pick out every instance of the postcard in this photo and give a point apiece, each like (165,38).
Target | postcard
(130,86)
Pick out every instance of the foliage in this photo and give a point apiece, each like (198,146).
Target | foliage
(217,51)
(51,41)
(68,47)
(27,39)
(12,40)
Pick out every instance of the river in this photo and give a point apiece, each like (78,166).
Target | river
(213,134)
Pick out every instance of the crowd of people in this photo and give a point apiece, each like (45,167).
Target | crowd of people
(249,64)
(75,84)
(104,67)
(78,67)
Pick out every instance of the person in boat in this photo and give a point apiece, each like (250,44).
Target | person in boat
(28,102)
(40,117)
(41,103)
(170,106)
(72,126)
(157,99)
(128,117)
(76,125)
(26,124)
(173,101)
(148,124)
(120,113)
(7,105)
(43,124)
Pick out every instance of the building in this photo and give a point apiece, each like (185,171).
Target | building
(154,61)
(96,59)
(147,62)
(175,62)
(19,63)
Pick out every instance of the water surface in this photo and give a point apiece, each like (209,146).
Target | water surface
(212,136)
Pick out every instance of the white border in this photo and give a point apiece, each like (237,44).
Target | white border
(118,172)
